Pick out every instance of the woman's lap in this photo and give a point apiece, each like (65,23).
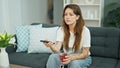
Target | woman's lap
(54,62)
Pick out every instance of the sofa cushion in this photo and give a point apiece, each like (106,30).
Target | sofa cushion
(104,41)
(119,50)
(41,34)
(32,60)
(103,62)
(22,33)
(118,64)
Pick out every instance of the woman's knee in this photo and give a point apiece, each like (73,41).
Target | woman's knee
(74,64)
(80,63)
(53,56)
(53,61)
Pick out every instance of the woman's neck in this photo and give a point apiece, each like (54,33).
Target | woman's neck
(71,27)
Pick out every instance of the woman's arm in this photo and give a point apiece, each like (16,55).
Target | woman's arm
(84,54)
(54,47)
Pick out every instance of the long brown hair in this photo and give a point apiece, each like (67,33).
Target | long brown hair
(78,28)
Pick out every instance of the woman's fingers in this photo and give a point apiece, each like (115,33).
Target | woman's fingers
(48,44)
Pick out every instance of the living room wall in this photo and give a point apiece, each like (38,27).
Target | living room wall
(58,9)
(34,11)
(21,12)
(10,15)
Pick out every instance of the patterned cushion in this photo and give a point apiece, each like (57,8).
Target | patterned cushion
(22,33)
(41,34)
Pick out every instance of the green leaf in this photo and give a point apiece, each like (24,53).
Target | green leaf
(4,39)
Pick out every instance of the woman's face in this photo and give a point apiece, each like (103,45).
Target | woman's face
(70,17)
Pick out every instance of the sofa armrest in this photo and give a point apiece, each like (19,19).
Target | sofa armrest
(11,49)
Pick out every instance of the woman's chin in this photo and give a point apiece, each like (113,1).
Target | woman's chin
(68,23)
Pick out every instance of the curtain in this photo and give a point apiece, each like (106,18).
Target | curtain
(10,15)
(21,12)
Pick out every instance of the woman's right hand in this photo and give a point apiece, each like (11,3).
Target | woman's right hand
(48,43)
(55,47)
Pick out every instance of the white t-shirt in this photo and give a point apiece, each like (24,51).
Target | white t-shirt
(85,41)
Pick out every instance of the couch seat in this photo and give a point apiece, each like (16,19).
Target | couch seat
(103,62)
(35,60)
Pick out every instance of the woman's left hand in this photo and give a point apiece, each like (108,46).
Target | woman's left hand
(67,60)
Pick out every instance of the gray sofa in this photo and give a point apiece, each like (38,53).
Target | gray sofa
(105,50)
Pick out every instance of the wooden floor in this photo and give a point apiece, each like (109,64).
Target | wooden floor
(18,66)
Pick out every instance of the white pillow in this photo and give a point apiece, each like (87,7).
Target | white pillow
(41,34)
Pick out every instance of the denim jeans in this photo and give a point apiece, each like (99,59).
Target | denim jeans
(54,62)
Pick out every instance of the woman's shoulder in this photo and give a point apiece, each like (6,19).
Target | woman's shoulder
(86,29)
(60,29)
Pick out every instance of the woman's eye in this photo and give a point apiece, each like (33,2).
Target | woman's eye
(65,14)
(68,14)
(71,14)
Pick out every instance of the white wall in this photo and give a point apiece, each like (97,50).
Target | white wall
(14,15)
(21,12)
(34,11)
(1,17)
(9,15)
(58,10)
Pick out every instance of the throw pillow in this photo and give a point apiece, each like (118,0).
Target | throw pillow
(41,34)
(23,37)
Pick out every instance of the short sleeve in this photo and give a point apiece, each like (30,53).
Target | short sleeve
(86,38)
(60,35)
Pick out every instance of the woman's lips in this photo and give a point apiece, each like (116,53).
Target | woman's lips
(67,20)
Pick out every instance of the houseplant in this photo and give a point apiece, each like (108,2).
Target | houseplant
(5,40)
(112,18)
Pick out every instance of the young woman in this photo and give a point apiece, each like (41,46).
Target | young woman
(75,38)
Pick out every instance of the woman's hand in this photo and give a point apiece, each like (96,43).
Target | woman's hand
(55,47)
(67,60)
(48,43)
